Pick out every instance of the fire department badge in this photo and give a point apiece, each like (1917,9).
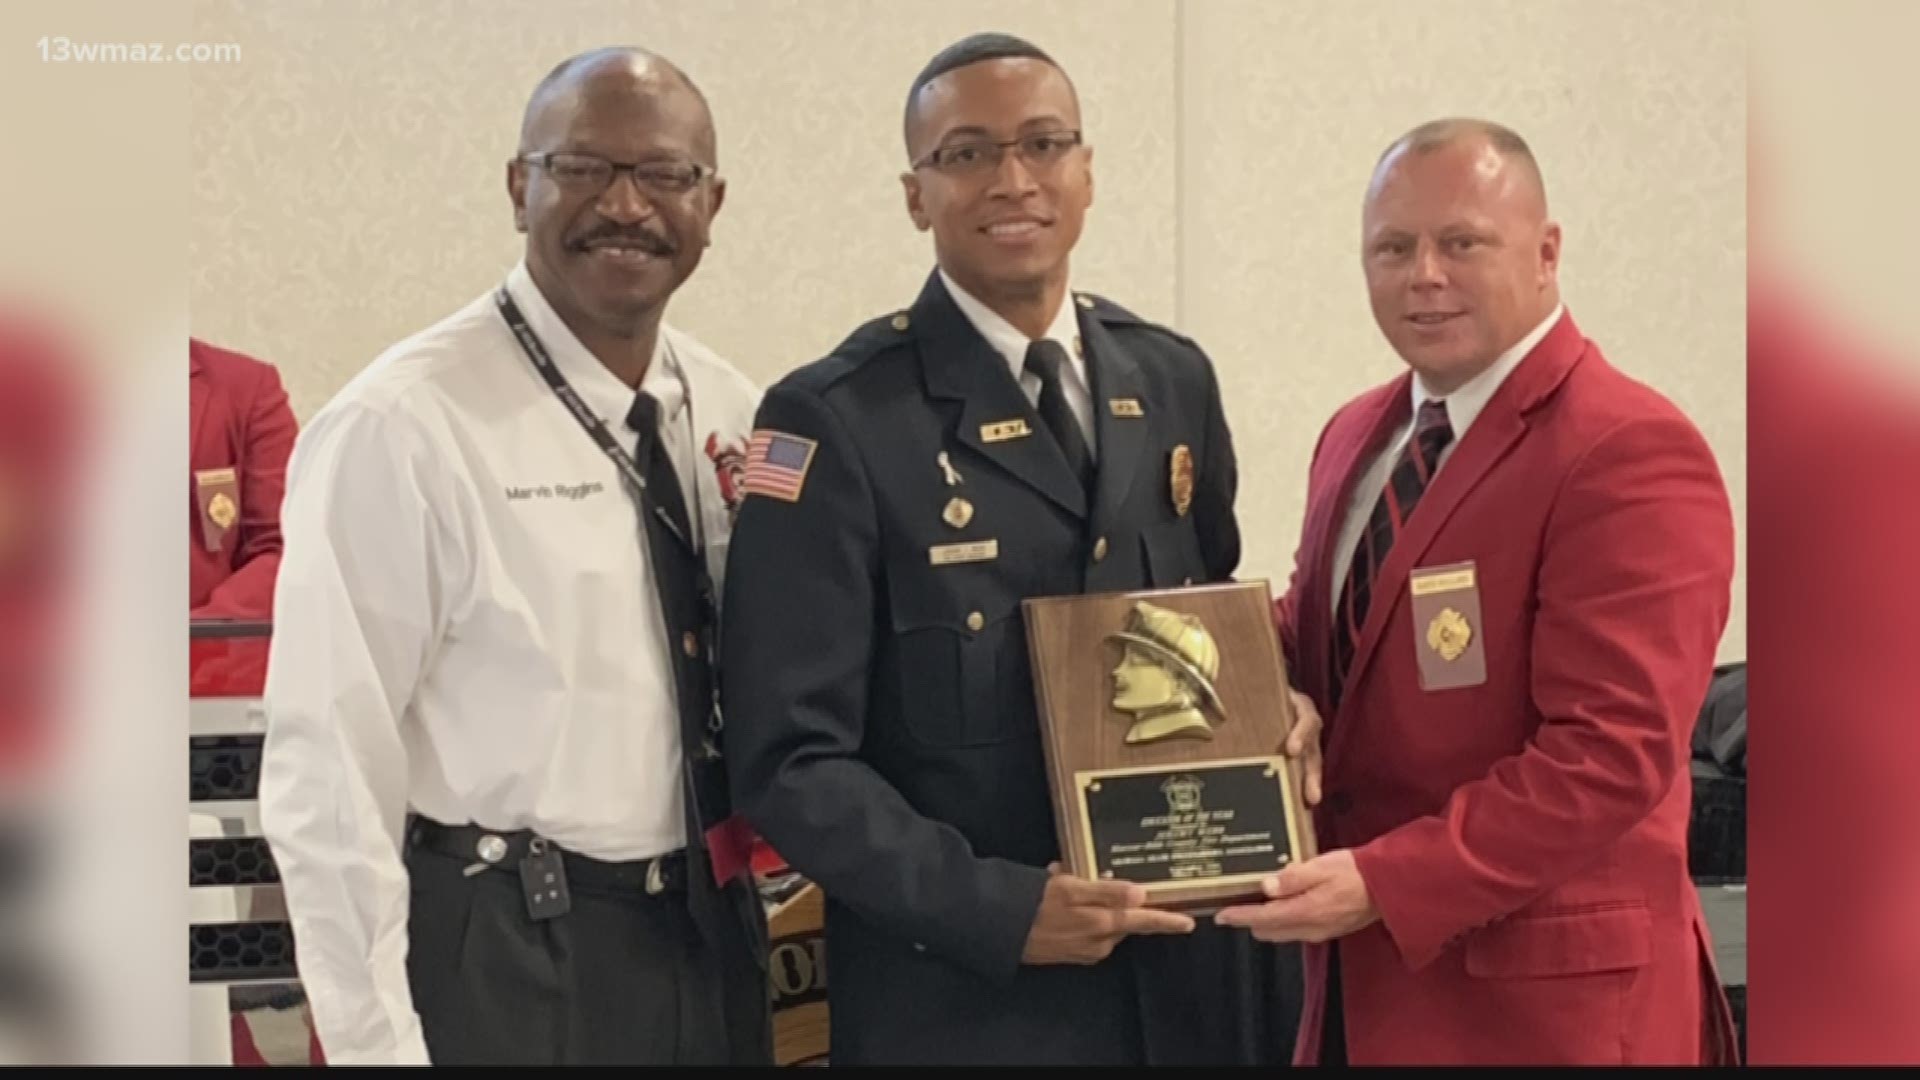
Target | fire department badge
(730,469)
(222,510)
(1448,634)
(1182,479)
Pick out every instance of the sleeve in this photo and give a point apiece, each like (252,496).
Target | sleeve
(271,428)
(1633,594)
(1216,488)
(357,612)
(799,643)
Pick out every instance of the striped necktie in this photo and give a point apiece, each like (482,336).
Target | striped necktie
(1432,431)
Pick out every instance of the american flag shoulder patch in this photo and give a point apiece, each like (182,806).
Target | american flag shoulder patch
(777,464)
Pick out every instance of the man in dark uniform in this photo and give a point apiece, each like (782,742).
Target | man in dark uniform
(1004,437)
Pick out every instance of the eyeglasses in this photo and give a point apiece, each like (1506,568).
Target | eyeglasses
(976,157)
(590,174)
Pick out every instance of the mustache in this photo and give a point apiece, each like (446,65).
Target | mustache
(645,239)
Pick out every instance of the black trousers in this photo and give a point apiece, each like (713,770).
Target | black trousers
(621,979)
(1333,1027)
(1217,997)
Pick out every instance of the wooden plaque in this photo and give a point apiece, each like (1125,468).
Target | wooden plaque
(1164,714)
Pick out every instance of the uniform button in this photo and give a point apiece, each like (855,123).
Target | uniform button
(690,643)
(901,322)
(976,620)
(1099,549)
(917,947)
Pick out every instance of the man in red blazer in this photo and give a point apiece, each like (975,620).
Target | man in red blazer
(243,433)
(1513,578)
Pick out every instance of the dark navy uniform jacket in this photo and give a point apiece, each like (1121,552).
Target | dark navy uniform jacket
(881,721)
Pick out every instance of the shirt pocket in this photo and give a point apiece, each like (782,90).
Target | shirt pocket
(960,642)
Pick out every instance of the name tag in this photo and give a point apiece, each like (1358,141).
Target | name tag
(1449,637)
(561,491)
(218,493)
(973,551)
(1001,431)
(1126,406)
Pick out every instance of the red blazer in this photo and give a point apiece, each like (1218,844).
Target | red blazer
(1525,839)
(241,422)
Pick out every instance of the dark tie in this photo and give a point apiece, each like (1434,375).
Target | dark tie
(686,602)
(663,484)
(1411,474)
(1044,358)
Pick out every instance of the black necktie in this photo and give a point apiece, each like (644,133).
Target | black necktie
(1414,470)
(663,484)
(686,601)
(1044,358)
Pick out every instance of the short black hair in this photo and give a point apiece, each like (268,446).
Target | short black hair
(972,49)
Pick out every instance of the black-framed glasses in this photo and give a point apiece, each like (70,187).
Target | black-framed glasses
(972,157)
(590,174)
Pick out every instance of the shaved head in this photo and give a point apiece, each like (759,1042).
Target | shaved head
(622,69)
(1501,148)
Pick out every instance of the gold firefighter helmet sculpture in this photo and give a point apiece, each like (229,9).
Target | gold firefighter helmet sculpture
(1168,662)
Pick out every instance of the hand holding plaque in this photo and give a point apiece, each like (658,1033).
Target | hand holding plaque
(1080,922)
(1164,715)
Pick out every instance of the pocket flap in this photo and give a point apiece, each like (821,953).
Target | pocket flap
(1563,943)
(947,597)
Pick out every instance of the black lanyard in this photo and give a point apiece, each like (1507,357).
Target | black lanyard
(536,351)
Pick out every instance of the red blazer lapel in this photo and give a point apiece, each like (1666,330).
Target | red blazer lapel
(1349,451)
(1498,428)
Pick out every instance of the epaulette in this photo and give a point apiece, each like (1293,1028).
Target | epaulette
(1113,315)
(868,341)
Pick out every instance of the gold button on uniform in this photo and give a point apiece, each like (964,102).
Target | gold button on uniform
(1099,549)
(976,620)
(901,322)
(690,641)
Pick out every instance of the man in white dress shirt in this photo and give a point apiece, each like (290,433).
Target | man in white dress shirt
(492,780)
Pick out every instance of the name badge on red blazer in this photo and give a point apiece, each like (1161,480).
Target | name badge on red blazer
(1448,635)
(217,491)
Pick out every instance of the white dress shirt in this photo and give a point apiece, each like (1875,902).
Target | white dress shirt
(1463,407)
(467,626)
(1011,342)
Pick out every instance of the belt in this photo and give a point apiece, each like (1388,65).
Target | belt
(495,850)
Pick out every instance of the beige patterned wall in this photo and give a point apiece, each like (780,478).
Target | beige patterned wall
(1636,111)
(348,182)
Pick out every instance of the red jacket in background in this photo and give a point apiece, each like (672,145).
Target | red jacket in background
(243,433)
